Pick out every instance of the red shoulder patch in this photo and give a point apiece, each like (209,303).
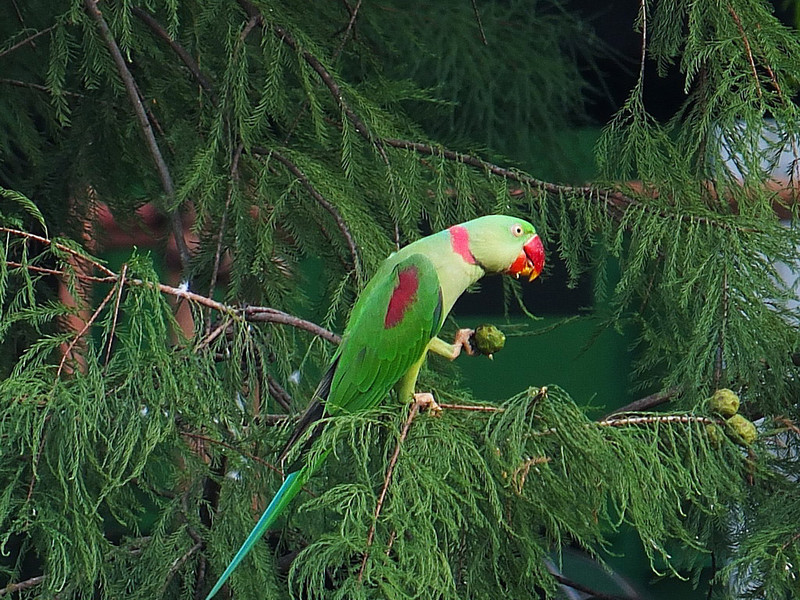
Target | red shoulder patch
(459,240)
(405,292)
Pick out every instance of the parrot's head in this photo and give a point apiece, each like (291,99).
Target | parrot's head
(506,245)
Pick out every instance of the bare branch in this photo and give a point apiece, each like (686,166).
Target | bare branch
(37,87)
(251,313)
(616,201)
(624,421)
(63,248)
(348,29)
(272,315)
(280,395)
(472,407)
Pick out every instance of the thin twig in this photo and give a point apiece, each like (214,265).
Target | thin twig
(62,247)
(251,24)
(22,585)
(38,87)
(211,336)
(387,480)
(182,53)
(28,40)
(179,562)
(116,311)
(280,395)
(144,126)
(747,49)
(321,200)
(647,403)
(83,331)
(232,182)
(643,13)
(472,407)
(594,594)
(348,30)
(258,314)
(480,24)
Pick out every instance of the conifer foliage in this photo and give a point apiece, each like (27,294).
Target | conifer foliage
(297,144)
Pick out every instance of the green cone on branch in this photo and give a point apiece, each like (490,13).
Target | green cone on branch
(743,430)
(724,402)
(488,339)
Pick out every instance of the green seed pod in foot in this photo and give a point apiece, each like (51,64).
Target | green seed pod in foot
(488,339)
(744,431)
(724,402)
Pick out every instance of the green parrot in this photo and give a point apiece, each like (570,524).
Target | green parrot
(394,324)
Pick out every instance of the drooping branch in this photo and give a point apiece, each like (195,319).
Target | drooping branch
(182,53)
(260,314)
(144,125)
(747,49)
(321,200)
(325,75)
(616,201)
(27,40)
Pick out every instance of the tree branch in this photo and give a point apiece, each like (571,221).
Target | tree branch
(258,314)
(594,594)
(747,49)
(646,403)
(27,40)
(272,315)
(616,201)
(22,585)
(387,480)
(321,200)
(144,126)
(182,53)
(330,82)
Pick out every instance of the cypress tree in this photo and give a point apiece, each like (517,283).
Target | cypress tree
(289,147)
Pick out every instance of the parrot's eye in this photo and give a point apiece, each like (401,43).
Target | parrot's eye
(517,230)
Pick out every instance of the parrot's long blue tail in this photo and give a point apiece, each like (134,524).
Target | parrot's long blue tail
(291,486)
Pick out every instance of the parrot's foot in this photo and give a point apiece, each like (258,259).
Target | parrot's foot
(461,341)
(425,401)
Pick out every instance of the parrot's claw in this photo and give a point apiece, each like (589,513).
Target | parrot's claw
(425,401)
(462,341)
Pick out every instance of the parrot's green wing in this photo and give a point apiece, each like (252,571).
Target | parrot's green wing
(389,329)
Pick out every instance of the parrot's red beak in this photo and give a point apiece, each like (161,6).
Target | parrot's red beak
(530,261)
